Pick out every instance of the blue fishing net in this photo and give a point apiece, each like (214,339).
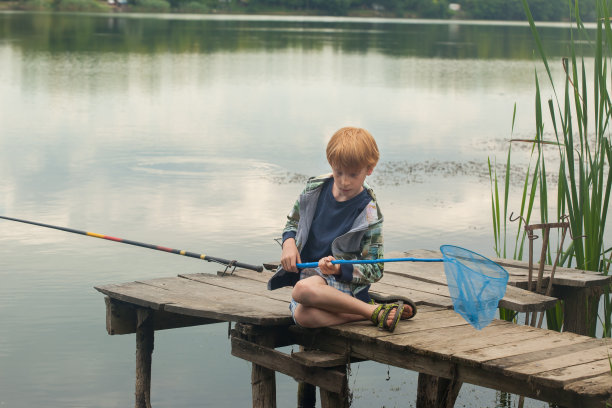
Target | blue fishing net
(476,284)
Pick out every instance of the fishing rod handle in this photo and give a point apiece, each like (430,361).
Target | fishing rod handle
(256,268)
(369,261)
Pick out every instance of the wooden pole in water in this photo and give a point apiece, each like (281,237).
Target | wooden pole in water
(144,351)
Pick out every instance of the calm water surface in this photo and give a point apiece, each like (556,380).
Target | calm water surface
(197,133)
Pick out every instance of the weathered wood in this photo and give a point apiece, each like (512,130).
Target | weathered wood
(541,364)
(263,387)
(563,276)
(340,399)
(318,358)
(209,300)
(383,351)
(437,392)
(283,363)
(585,347)
(144,351)
(577,308)
(465,338)
(121,318)
(599,387)
(547,340)
(306,395)
(560,362)
(263,379)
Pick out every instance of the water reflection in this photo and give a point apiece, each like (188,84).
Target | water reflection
(58,33)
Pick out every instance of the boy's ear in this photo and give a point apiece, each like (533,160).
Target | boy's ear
(370,170)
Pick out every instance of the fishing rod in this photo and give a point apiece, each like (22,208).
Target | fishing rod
(369,261)
(208,258)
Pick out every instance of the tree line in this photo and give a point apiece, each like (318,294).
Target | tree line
(542,10)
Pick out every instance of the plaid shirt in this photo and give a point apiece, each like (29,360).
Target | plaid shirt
(363,241)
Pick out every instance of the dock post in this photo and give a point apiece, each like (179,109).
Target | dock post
(578,305)
(306,395)
(341,399)
(436,392)
(263,380)
(144,351)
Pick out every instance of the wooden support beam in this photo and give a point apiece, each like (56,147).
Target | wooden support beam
(263,379)
(437,392)
(144,351)
(340,399)
(323,378)
(121,318)
(578,306)
(306,395)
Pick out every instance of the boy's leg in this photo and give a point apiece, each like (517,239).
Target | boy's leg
(321,305)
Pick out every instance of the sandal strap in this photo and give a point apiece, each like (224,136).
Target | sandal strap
(399,308)
(375,313)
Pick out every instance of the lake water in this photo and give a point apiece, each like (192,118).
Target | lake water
(198,133)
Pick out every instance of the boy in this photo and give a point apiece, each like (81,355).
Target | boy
(337,216)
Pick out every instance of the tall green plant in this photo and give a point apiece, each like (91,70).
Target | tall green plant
(580,122)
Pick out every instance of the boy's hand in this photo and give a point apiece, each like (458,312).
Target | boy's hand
(327,268)
(290,255)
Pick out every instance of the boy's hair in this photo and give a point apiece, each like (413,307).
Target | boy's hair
(351,148)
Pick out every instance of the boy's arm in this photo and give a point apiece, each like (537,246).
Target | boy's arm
(290,255)
(293,218)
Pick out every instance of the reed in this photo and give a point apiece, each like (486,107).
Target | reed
(580,121)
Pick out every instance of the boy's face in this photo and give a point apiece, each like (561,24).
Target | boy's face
(348,182)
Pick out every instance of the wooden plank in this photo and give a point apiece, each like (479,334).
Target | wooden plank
(138,294)
(331,380)
(563,276)
(121,318)
(548,340)
(575,373)
(326,339)
(193,298)
(366,331)
(262,277)
(319,358)
(559,362)
(419,297)
(594,387)
(240,283)
(501,363)
(463,338)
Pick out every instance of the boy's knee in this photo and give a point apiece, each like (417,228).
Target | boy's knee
(303,292)
(303,317)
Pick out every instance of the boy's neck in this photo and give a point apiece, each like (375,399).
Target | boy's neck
(340,196)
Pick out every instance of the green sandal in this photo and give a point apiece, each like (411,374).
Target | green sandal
(378,298)
(381,313)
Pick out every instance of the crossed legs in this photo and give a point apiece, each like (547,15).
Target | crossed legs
(321,305)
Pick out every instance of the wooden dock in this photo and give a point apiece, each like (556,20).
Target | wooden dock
(569,369)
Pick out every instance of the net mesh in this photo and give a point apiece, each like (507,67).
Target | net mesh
(476,284)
